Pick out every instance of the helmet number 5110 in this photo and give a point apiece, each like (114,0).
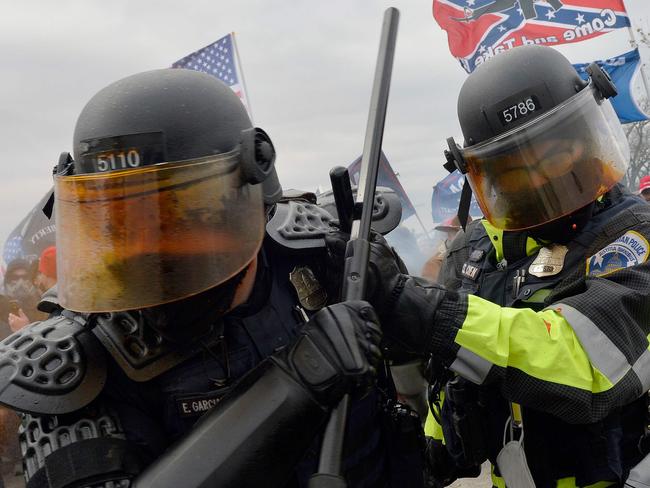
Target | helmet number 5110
(120,160)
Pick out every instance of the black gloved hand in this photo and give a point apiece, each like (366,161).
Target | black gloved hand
(337,352)
(406,305)
(384,264)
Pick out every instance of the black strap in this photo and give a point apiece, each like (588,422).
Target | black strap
(48,208)
(463,206)
(88,462)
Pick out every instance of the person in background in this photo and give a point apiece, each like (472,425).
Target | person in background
(22,294)
(432,267)
(44,281)
(9,420)
(5,308)
(644,188)
(46,276)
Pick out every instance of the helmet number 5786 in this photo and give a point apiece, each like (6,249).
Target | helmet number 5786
(518,110)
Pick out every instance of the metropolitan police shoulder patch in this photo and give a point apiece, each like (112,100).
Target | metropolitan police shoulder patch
(628,250)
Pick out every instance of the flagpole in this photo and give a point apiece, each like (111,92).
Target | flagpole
(426,232)
(635,45)
(243,79)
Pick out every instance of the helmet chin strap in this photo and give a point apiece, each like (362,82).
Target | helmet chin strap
(463,206)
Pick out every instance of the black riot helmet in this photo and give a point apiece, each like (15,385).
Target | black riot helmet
(164,197)
(540,143)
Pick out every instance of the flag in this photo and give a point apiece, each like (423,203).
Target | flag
(32,235)
(622,70)
(446,198)
(477,30)
(219,59)
(385,177)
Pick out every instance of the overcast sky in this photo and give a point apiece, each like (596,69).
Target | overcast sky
(308,67)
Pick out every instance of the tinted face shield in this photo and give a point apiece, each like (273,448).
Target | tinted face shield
(143,237)
(550,167)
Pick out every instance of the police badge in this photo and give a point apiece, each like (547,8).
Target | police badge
(311,295)
(549,261)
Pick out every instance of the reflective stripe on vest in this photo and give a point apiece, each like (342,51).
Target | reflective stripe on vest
(602,352)
(471,366)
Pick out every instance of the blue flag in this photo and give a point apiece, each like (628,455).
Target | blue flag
(622,69)
(385,177)
(446,197)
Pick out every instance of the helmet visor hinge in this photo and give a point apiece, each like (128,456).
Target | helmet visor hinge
(602,81)
(65,165)
(455,159)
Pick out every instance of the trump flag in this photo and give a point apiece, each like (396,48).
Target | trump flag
(385,177)
(446,198)
(477,30)
(622,69)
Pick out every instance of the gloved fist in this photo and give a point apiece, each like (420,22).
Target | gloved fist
(385,266)
(405,305)
(337,352)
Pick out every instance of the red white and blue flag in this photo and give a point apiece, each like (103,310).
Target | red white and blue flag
(385,177)
(480,29)
(218,59)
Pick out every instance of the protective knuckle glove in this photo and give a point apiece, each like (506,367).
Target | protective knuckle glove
(409,317)
(337,351)
(384,264)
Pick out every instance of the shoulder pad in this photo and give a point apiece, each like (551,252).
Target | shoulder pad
(299,225)
(386,213)
(140,351)
(292,194)
(51,367)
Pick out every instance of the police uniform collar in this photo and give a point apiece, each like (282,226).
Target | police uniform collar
(510,246)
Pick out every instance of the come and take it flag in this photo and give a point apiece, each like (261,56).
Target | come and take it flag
(446,198)
(385,177)
(477,30)
(219,59)
(622,70)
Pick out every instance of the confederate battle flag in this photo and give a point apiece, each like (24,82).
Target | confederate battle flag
(479,29)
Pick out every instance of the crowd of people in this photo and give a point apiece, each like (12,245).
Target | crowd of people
(24,283)
(189,287)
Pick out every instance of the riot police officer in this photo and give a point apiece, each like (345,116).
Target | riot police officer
(172,290)
(541,356)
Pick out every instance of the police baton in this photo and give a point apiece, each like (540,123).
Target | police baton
(356,216)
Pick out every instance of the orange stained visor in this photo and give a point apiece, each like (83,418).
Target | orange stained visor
(143,237)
